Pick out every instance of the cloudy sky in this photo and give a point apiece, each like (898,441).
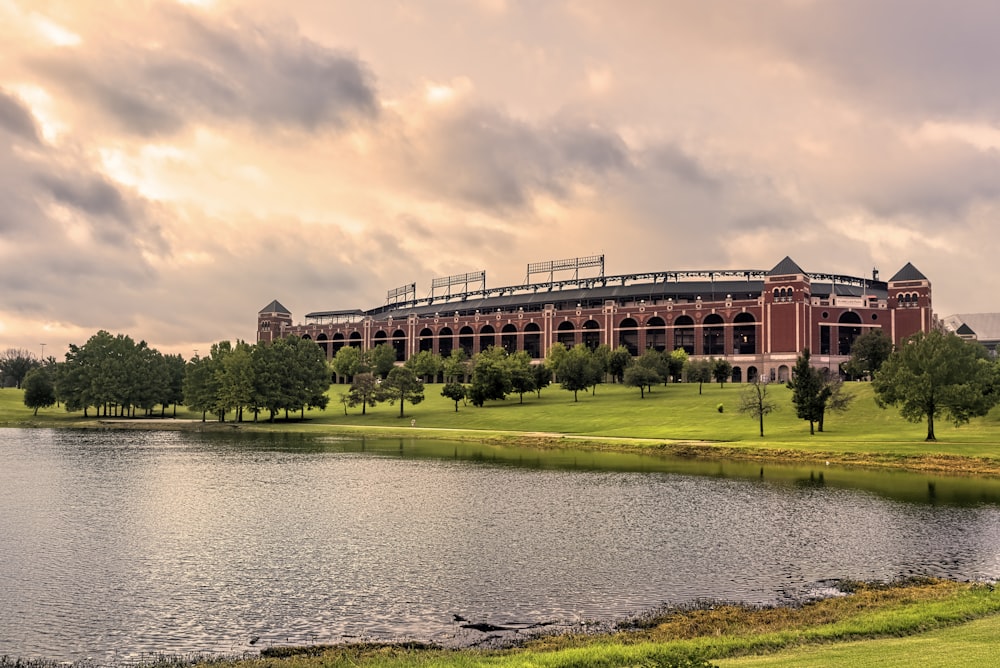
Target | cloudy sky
(168,168)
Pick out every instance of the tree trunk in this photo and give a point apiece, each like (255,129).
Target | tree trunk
(930,427)
(762,424)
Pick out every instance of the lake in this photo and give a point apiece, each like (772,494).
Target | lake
(121,544)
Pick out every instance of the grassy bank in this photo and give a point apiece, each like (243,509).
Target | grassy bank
(674,419)
(874,625)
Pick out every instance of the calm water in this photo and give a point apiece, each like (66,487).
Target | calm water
(118,544)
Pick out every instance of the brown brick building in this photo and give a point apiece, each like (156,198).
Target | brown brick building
(760,321)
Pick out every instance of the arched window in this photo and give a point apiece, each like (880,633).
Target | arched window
(355,340)
(338,342)
(508,338)
(426,341)
(487,337)
(737,375)
(628,335)
(380,338)
(465,340)
(446,341)
(752,374)
(713,335)
(591,334)
(321,340)
(656,334)
(846,334)
(684,333)
(566,334)
(399,344)
(533,340)
(744,334)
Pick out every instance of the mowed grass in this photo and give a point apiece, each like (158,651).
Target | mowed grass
(671,413)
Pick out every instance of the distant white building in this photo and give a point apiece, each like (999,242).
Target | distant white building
(981,327)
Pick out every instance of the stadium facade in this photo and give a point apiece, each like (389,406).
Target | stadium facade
(758,320)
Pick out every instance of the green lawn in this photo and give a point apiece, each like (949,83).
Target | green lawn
(676,412)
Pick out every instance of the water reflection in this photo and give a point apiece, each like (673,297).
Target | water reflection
(896,485)
(122,542)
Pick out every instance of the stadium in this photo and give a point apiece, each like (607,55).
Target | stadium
(758,320)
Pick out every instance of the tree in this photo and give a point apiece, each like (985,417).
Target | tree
(403,385)
(347,362)
(657,362)
(457,366)
(869,352)
(837,400)
(722,370)
(425,364)
(200,385)
(641,376)
(554,358)
(618,360)
(39,390)
(699,371)
(521,378)
(542,376)
(454,391)
(809,392)
(676,361)
(491,378)
(380,359)
(933,374)
(15,363)
(755,402)
(578,370)
(174,392)
(365,391)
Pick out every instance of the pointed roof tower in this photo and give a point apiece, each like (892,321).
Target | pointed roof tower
(908,273)
(785,267)
(276,308)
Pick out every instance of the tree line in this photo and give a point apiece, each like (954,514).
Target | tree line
(115,376)
(929,376)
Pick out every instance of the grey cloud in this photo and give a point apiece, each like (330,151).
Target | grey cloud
(487,158)
(16,118)
(236,70)
(916,56)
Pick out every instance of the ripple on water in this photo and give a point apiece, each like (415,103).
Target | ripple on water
(126,543)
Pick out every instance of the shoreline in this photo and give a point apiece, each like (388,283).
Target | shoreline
(943,464)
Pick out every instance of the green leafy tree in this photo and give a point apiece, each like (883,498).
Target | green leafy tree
(541,376)
(521,377)
(200,385)
(554,358)
(869,352)
(578,370)
(426,365)
(365,390)
(454,391)
(809,392)
(309,379)
(602,357)
(236,383)
(935,374)
(174,391)
(755,402)
(347,362)
(641,376)
(15,363)
(722,370)
(837,399)
(457,366)
(699,371)
(491,378)
(618,360)
(676,361)
(39,390)
(380,359)
(402,385)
